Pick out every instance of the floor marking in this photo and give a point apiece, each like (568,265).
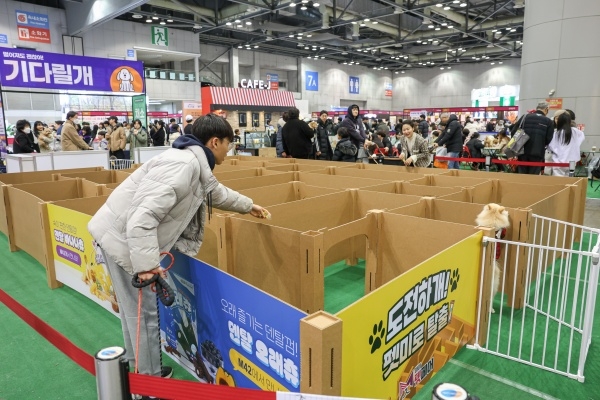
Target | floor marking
(500,379)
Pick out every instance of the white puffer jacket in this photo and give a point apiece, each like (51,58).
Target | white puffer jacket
(161,206)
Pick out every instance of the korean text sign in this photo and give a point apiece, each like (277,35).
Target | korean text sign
(78,260)
(40,70)
(408,320)
(33,27)
(227,332)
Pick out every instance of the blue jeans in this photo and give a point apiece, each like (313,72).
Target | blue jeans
(453,164)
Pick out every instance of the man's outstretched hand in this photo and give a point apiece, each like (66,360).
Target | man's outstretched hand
(259,212)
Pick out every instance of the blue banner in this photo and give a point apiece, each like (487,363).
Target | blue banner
(225,331)
(354,84)
(35,20)
(312,81)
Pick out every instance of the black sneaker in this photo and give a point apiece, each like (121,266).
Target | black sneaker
(166,372)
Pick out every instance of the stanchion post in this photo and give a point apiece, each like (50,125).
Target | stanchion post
(112,372)
(572,165)
(488,162)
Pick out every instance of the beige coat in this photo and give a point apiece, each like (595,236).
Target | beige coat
(116,139)
(162,205)
(70,139)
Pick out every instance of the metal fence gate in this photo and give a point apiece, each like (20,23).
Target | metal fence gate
(543,312)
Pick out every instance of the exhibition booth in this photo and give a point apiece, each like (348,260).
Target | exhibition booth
(365,273)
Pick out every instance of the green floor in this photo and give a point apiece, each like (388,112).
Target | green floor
(33,369)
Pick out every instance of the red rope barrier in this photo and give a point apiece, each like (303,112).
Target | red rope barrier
(59,341)
(508,162)
(176,389)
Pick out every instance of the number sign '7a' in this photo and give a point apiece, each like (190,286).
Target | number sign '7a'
(312,81)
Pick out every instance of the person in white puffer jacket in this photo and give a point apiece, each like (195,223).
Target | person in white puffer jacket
(162,207)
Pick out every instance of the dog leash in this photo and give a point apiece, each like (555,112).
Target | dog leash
(163,291)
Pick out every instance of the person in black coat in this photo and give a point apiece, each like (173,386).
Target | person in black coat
(475,145)
(356,130)
(323,150)
(452,138)
(159,135)
(540,129)
(23,142)
(345,150)
(296,136)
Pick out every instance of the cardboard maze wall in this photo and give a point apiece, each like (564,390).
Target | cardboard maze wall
(396,219)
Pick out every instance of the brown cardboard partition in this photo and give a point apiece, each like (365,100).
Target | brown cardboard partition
(399,236)
(285,193)
(102,177)
(451,181)
(581,183)
(28,177)
(243,173)
(24,217)
(259,181)
(294,167)
(394,168)
(413,190)
(340,182)
(370,174)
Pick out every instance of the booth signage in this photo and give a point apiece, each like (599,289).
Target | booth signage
(555,103)
(274,81)
(160,36)
(33,27)
(354,83)
(255,84)
(225,331)
(35,69)
(192,108)
(388,89)
(139,108)
(311,81)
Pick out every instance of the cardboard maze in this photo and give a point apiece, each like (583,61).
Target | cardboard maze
(413,227)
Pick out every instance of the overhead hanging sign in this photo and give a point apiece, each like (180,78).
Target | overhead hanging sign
(273,80)
(40,70)
(388,89)
(354,85)
(33,27)
(312,81)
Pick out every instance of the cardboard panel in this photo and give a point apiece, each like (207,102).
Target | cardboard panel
(51,191)
(284,193)
(275,261)
(410,170)
(294,167)
(450,181)
(105,176)
(208,251)
(242,173)
(367,201)
(399,240)
(259,181)
(426,191)
(513,194)
(371,174)
(341,182)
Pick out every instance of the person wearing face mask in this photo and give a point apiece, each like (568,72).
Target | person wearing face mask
(23,142)
(70,139)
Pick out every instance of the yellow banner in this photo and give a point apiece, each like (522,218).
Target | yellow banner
(397,337)
(78,261)
(259,377)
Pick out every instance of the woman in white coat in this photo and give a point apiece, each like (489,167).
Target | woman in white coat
(566,143)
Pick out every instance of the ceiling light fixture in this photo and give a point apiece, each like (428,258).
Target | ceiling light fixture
(500,62)
(149,20)
(154,17)
(228,23)
(431,26)
(309,35)
(456,1)
(169,20)
(248,22)
(418,41)
(357,63)
(353,22)
(363,24)
(396,72)
(403,72)
(303,8)
(240,46)
(375,22)
(447,8)
(292,4)
(292,35)
(256,46)
(444,24)
(345,52)
(162,23)
(450,26)
(437,28)
(367,19)
(137,16)
(300,45)
(449,67)
(237,21)
(439,5)
(240,26)
(442,68)
(463,4)
(309,57)
(316,4)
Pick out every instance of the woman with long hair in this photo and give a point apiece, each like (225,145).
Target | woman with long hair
(566,143)
(160,134)
(45,137)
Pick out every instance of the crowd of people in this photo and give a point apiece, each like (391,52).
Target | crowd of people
(415,142)
(112,135)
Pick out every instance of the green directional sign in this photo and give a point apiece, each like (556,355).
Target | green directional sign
(160,36)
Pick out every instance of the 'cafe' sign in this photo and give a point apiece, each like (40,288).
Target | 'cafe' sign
(255,84)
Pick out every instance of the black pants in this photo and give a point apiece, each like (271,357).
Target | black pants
(120,154)
(524,169)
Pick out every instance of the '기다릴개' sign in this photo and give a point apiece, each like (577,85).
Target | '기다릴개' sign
(40,70)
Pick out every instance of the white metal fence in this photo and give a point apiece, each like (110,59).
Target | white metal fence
(544,308)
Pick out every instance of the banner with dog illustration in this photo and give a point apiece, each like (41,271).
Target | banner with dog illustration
(40,70)
(78,261)
(225,331)
(395,338)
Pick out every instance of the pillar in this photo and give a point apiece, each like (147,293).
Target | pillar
(234,67)
(557,56)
